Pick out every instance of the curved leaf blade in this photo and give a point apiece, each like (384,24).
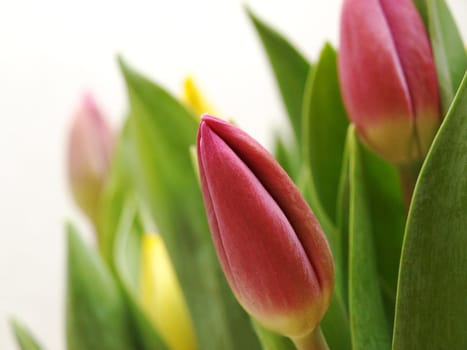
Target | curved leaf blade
(126,254)
(324,128)
(290,69)
(24,337)
(335,324)
(448,49)
(431,309)
(122,229)
(96,312)
(388,217)
(367,317)
(164,132)
(120,185)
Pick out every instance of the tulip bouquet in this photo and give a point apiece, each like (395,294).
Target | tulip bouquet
(353,235)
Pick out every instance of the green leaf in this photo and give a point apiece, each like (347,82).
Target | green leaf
(164,131)
(121,184)
(324,128)
(270,340)
(422,10)
(96,313)
(23,337)
(448,50)
(122,228)
(285,157)
(343,209)
(290,68)
(128,240)
(431,310)
(368,321)
(335,324)
(388,214)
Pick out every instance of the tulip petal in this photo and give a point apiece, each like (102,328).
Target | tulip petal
(283,190)
(416,57)
(368,54)
(414,53)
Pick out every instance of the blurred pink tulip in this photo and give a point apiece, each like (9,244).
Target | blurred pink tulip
(89,153)
(270,245)
(388,78)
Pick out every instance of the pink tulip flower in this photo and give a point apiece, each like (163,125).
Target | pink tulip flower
(90,146)
(270,245)
(388,78)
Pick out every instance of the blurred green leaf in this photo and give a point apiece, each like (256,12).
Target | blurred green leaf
(120,186)
(370,329)
(324,128)
(164,131)
(448,49)
(123,229)
(270,340)
(23,337)
(431,310)
(127,252)
(290,69)
(422,10)
(96,313)
(285,157)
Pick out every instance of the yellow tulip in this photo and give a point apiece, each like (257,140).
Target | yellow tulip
(162,297)
(194,100)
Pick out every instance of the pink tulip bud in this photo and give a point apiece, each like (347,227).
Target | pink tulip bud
(89,151)
(270,245)
(388,78)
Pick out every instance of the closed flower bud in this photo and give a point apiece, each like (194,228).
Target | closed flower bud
(90,146)
(270,245)
(161,296)
(388,78)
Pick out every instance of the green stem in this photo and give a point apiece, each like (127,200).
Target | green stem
(409,174)
(312,341)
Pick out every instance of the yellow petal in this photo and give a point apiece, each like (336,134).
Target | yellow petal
(162,297)
(194,100)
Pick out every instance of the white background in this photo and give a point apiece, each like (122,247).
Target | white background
(51,51)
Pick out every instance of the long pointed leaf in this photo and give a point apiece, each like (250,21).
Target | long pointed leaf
(448,49)
(120,185)
(126,256)
(343,209)
(23,337)
(122,229)
(335,324)
(96,312)
(290,69)
(285,157)
(324,128)
(367,317)
(388,221)
(431,311)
